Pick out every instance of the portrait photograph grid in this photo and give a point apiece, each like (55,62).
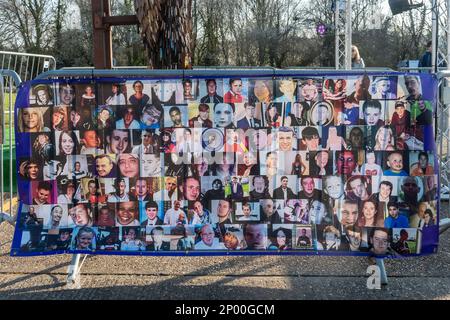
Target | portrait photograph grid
(302,164)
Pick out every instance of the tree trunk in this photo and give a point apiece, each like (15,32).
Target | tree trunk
(166,29)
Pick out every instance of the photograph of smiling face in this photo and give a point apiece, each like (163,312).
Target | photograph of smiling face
(41,95)
(104,165)
(118,142)
(66,94)
(84,239)
(126,213)
(373,113)
(287,140)
(56,216)
(262,90)
(287,88)
(80,215)
(223,115)
(32,120)
(150,165)
(358,188)
(191,188)
(308,187)
(128,165)
(67,143)
(395,164)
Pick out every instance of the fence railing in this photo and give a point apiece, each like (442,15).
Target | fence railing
(27,65)
(9,80)
(15,67)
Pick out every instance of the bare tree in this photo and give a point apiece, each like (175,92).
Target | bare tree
(31,20)
(411,31)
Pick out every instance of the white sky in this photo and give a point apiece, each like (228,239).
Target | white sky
(73,19)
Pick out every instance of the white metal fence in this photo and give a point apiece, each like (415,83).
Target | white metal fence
(14,68)
(9,80)
(27,65)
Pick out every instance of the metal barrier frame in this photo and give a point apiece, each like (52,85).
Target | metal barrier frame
(73,274)
(13,78)
(16,60)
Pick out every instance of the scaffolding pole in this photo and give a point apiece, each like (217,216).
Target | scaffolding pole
(343,30)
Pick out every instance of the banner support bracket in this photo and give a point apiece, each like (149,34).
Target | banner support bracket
(383,274)
(73,272)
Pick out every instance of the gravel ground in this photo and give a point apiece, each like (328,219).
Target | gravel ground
(265,277)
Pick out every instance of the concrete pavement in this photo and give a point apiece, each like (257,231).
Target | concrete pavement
(266,277)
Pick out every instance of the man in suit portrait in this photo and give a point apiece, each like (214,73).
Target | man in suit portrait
(151,210)
(249,120)
(158,244)
(141,190)
(237,192)
(150,143)
(283,191)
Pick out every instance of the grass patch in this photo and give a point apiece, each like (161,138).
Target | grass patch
(6,100)
(7,128)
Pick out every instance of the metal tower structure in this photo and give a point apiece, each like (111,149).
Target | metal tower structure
(441,57)
(343,28)
(441,34)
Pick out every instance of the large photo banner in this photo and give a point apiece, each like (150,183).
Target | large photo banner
(330,164)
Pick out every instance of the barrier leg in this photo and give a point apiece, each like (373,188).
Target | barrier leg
(383,275)
(73,272)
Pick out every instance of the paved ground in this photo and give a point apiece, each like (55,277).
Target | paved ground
(109,277)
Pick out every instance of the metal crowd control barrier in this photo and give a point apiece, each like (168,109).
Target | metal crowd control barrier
(9,80)
(74,268)
(15,67)
(27,65)
(443,140)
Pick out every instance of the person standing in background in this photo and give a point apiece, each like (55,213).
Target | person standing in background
(357,61)
(425,61)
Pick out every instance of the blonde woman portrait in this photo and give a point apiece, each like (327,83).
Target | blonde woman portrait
(384,139)
(32,120)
